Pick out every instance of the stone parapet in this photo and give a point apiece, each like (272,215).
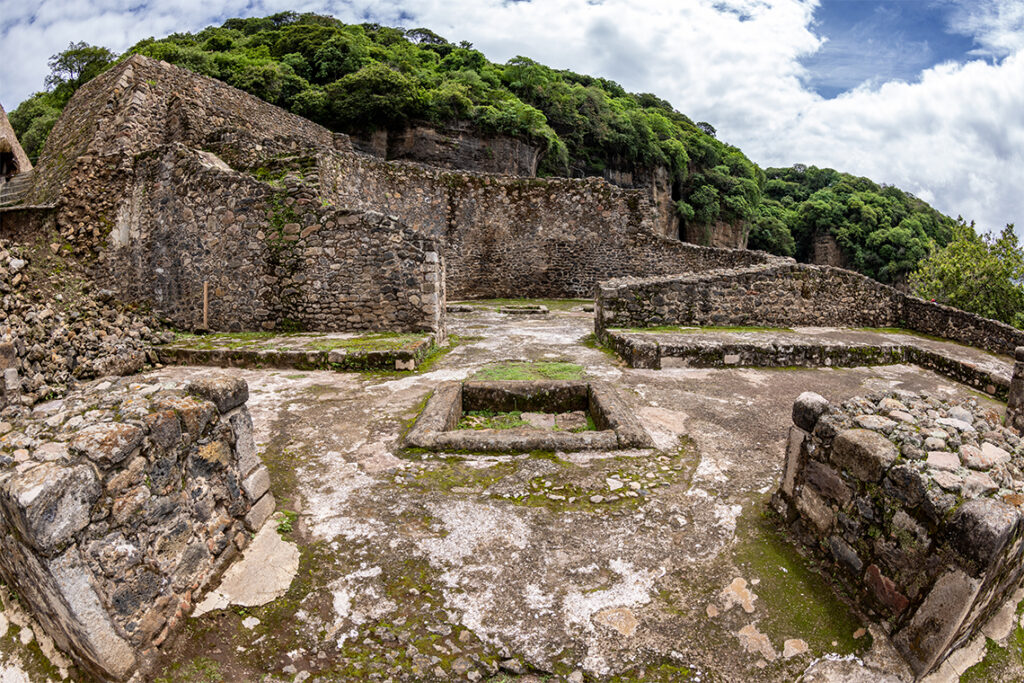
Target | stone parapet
(119,504)
(781,293)
(914,504)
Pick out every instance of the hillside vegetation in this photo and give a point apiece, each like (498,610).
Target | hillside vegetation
(883,232)
(355,78)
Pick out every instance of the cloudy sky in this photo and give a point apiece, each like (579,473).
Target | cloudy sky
(924,94)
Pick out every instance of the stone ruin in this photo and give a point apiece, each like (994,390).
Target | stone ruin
(123,501)
(120,504)
(915,504)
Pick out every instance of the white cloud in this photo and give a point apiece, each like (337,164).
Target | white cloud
(954,136)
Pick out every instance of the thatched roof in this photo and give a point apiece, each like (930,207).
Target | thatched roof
(9,143)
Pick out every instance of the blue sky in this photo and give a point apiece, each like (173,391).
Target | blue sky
(874,41)
(924,94)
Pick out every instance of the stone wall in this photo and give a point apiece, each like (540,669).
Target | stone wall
(786,294)
(503,236)
(914,505)
(719,234)
(780,294)
(270,254)
(522,237)
(143,103)
(119,504)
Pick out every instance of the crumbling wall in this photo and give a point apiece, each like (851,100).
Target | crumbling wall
(271,255)
(143,103)
(914,505)
(119,504)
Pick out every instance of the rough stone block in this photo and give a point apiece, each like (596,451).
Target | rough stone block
(931,631)
(808,407)
(108,443)
(827,481)
(884,590)
(257,483)
(49,504)
(260,512)
(980,529)
(225,392)
(863,453)
(245,445)
(813,508)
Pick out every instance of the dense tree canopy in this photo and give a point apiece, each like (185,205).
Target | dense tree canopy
(883,231)
(982,274)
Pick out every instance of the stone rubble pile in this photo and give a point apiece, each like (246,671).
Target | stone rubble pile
(915,504)
(48,342)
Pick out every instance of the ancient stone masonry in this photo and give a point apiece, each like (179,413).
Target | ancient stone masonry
(269,254)
(119,504)
(501,235)
(515,237)
(916,502)
(783,294)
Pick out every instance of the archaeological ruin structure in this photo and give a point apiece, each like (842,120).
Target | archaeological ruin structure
(124,499)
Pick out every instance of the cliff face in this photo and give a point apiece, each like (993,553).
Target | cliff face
(455,147)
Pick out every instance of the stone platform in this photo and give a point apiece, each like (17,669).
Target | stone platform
(327,351)
(810,347)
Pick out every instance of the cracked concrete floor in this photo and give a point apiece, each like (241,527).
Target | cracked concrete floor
(633,565)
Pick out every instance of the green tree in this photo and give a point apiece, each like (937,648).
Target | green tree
(76,65)
(981,274)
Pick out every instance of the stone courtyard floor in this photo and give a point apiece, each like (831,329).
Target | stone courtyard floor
(661,565)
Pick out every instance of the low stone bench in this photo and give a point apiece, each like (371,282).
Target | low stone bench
(119,504)
(916,505)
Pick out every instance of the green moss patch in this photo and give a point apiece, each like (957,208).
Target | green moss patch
(681,329)
(526,371)
(793,599)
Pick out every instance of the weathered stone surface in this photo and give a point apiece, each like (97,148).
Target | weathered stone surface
(794,459)
(884,590)
(260,512)
(930,632)
(807,408)
(864,454)
(827,481)
(943,460)
(811,506)
(257,483)
(107,444)
(980,529)
(107,542)
(845,555)
(49,504)
(226,392)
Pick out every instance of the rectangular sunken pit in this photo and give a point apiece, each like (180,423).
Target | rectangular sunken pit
(616,426)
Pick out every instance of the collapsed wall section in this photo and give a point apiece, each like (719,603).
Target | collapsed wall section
(119,504)
(786,294)
(188,229)
(522,237)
